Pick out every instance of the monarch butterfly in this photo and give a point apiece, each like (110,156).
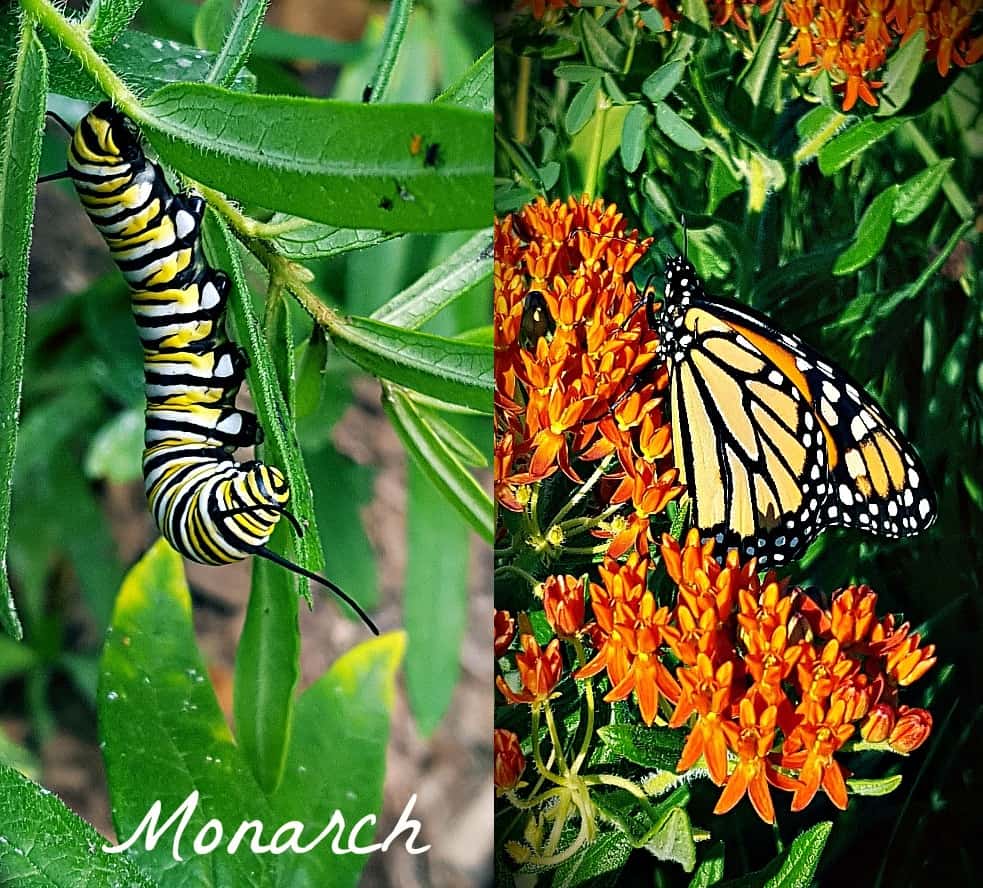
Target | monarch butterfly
(210,508)
(774,442)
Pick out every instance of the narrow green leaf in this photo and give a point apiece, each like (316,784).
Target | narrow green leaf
(915,195)
(694,26)
(578,73)
(316,241)
(237,30)
(633,135)
(440,464)
(453,371)
(601,860)
(158,716)
(436,583)
(663,80)
(311,365)
(853,142)
(108,19)
(582,107)
(22,105)
(871,233)
(652,747)
(467,267)
(722,185)
(475,88)
(601,48)
(815,129)
(267,669)
(793,868)
(210,23)
(342,163)
(280,437)
(760,82)
(673,840)
(44,843)
(871,787)
(900,75)
(337,761)
(678,129)
(455,441)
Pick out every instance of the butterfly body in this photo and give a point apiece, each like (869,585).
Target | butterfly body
(774,442)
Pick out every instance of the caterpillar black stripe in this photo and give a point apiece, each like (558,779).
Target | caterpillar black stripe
(210,508)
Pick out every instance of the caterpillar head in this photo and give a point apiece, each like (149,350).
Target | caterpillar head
(113,133)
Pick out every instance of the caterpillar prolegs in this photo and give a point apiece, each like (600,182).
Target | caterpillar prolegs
(210,508)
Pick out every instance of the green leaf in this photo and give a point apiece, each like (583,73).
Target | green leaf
(652,19)
(230,30)
(467,267)
(711,868)
(311,365)
(436,583)
(601,48)
(663,80)
(853,142)
(673,840)
(280,439)
(651,747)
(695,25)
(633,135)
(815,129)
(15,659)
(163,733)
(871,233)
(453,371)
(677,129)
(582,107)
(475,88)
(757,93)
(46,844)
(343,490)
(605,856)
(915,195)
(108,19)
(794,868)
(341,163)
(267,669)
(455,441)
(337,760)
(900,74)
(315,241)
(116,452)
(722,185)
(22,105)
(874,787)
(578,73)
(441,465)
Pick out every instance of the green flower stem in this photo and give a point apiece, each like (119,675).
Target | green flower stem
(586,550)
(585,488)
(579,525)
(392,40)
(560,814)
(589,696)
(597,142)
(555,738)
(568,852)
(518,571)
(960,203)
(75,39)
(537,755)
(535,802)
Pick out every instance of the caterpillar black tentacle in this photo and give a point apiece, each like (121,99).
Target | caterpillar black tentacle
(210,508)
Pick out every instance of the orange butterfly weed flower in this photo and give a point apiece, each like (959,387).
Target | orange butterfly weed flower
(751,740)
(588,386)
(539,672)
(504,631)
(564,604)
(910,730)
(509,760)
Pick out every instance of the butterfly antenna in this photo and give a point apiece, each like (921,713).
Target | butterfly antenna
(51,177)
(297,569)
(682,219)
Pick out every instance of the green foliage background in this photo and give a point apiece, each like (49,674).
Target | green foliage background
(858,232)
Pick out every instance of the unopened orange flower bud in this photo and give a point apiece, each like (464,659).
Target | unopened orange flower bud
(509,760)
(879,724)
(853,614)
(539,671)
(911,729)
(504,631)
(563,601)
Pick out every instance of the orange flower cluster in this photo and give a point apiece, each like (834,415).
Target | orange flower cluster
(761,673)
(851,39)
(585,388)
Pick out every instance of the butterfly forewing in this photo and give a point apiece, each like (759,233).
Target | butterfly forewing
(773,442)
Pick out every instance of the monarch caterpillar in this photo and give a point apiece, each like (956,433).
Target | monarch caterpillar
(774,442)
(210,508)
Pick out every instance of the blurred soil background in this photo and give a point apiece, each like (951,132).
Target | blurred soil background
(451,771)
